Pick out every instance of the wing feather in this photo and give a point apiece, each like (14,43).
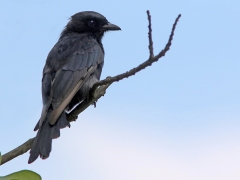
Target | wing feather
(70,77)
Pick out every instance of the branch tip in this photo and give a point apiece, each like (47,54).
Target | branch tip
(150,46)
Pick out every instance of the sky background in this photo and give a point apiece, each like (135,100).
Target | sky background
(175,120)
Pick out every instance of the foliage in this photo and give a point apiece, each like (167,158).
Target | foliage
(22,175)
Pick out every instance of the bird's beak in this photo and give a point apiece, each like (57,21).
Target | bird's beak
(111,27)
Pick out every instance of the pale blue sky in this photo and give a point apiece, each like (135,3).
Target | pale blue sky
(176,120)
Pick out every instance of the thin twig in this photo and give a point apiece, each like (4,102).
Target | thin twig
(150,46)
(17,151)
(169,43)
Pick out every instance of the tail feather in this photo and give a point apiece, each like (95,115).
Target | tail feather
(42,143)
(61,123)
(37,126)
(44,115)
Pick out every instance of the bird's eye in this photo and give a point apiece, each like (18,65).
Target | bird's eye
(92,23)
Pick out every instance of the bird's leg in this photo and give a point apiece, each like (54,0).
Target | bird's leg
(89,98)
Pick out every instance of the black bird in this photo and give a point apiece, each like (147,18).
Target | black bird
(73,65)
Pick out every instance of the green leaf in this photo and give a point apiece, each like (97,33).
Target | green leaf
(22,175)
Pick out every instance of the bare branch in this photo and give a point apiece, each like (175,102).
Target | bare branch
(169,43)
(141,66)
(99,88)
(17,151)
(151,54)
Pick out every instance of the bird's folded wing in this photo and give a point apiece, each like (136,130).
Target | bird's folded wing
(70,94)
(69,79)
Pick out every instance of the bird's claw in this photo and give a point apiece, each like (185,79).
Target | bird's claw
(95,104)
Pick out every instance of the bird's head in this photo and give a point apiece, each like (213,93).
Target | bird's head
(90,22)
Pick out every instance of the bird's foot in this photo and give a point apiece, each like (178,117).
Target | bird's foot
(94,104)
